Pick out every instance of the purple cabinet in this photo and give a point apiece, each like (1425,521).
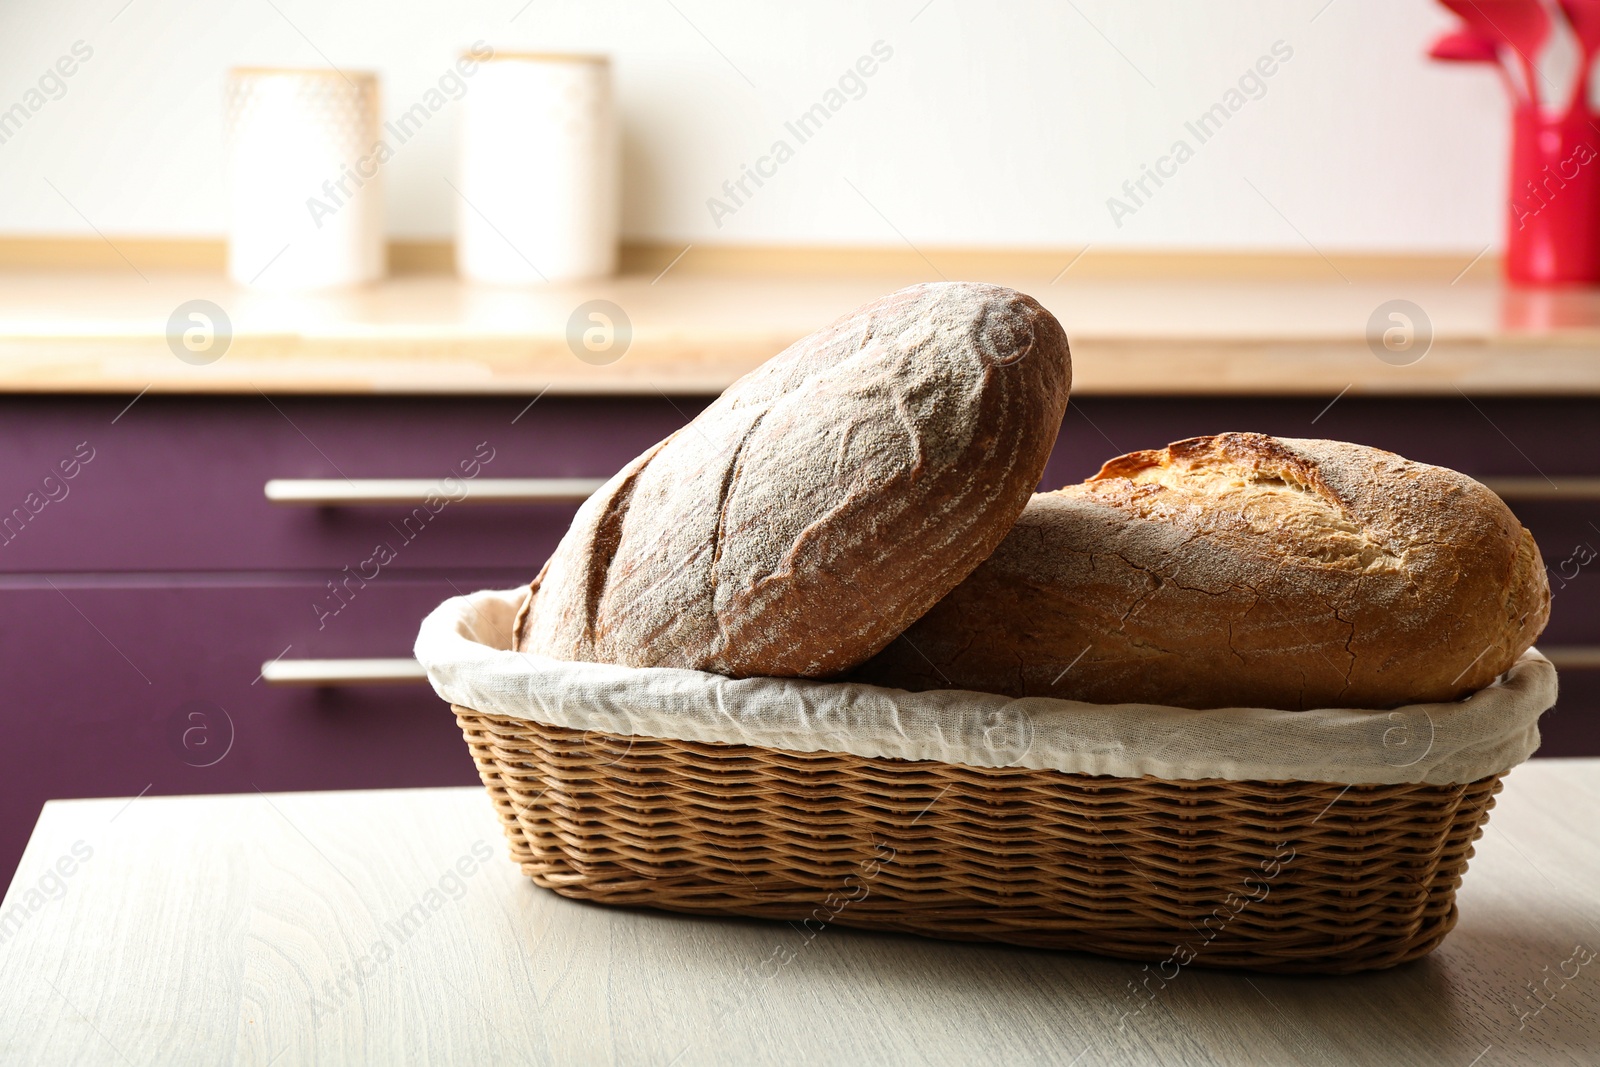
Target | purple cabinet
(118,686)
(145,578)
(175,483)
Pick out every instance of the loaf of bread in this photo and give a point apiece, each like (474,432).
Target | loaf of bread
(1241,571)
(823,502)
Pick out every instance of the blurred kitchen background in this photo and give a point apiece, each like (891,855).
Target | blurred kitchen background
(993,125)
(224,508)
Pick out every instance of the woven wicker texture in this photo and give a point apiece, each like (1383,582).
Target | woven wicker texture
(1273,876)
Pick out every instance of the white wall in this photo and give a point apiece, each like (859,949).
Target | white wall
(996,122)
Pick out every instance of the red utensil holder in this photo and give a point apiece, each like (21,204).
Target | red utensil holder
(1553,233)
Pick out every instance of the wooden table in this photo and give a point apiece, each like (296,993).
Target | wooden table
(113,332)
(389,927)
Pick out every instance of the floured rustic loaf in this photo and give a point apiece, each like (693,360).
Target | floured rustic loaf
(1241,570)
(823,502)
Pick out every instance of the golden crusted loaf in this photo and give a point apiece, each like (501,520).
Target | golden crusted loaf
(823,502)
(1241,570)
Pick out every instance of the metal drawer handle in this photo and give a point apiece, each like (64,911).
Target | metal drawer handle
(365,492)
(1573,657)
(410,672)
(1570,488)
(343,672)
(330,672)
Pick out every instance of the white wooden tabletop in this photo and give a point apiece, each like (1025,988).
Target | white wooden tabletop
(389,927)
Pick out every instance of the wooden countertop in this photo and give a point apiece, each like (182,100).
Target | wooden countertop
(693,333)
(390,927)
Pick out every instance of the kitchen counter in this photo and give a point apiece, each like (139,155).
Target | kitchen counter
(693,333)
(388,926)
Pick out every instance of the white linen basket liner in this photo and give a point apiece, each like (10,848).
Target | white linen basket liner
(464,645)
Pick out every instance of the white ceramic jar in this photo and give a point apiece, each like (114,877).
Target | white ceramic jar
(538,185)
(305,178)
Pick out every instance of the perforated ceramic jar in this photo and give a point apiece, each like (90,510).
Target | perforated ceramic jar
(305,178)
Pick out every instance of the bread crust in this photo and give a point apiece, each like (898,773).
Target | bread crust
(1242,570)
(824,501)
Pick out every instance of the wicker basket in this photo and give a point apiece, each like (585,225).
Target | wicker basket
(1273,876)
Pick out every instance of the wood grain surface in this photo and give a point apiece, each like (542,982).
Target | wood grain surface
(695,332)
(436,256)
(387,927)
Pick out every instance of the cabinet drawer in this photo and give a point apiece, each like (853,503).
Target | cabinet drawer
(115,689)
(177,483)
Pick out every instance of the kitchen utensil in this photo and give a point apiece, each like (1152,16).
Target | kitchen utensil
(1466,45)
(1521,25)
(1553,222)
(1584,18)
